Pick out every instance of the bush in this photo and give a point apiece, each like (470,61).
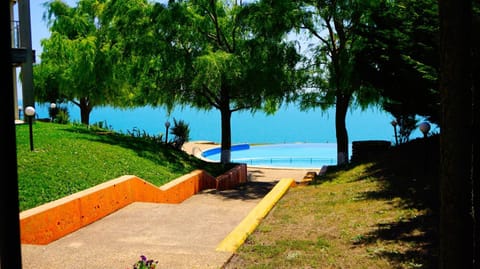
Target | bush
(61,116)
(136,132)
(101,126)
(181,131)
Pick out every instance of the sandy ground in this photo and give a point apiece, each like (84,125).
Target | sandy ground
(261,174)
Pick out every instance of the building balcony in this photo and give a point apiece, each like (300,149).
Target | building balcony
(18,53)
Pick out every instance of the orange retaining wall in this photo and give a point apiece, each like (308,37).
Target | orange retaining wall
(46,223)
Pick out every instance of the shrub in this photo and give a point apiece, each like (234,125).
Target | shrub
(62,116)
(181,131)
(101,126)
(136,132)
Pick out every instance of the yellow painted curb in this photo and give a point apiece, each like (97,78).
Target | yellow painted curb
(252,220)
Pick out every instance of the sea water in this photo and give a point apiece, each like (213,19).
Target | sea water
(288,125)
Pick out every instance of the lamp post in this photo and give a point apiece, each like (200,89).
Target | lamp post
(30,113)
(167,125)
(394,124)
(53,111)
(424,128)
(20,109)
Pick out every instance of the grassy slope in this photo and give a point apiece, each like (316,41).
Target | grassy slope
(68,158)
(377,214)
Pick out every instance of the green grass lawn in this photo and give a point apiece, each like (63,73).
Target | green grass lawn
(70,158)
(381,213)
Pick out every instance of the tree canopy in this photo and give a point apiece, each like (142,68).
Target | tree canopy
(220,55)
(335,47)
(401,57)
(367,53)
(77,63)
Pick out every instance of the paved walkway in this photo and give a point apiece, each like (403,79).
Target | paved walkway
(177,236)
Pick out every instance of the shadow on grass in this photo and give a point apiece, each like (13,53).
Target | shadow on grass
(154,150)
(418,233)
(409,172)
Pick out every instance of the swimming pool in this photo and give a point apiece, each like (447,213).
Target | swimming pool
(293,155)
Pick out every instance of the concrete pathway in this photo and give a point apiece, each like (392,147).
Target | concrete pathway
(178,236)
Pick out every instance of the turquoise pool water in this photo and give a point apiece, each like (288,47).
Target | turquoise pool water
(293,155)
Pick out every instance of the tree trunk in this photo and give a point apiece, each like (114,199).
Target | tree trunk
(226,114)
(456,221)
(341,108)
(85,110)
(225,155)
(476,167)
(476,135)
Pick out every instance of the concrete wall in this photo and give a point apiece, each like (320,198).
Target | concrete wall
(51,221)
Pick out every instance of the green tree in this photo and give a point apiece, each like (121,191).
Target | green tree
(332,30)
(400,57)
(224,55)
(76,63)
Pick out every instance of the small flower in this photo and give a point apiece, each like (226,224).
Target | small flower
(143,263)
